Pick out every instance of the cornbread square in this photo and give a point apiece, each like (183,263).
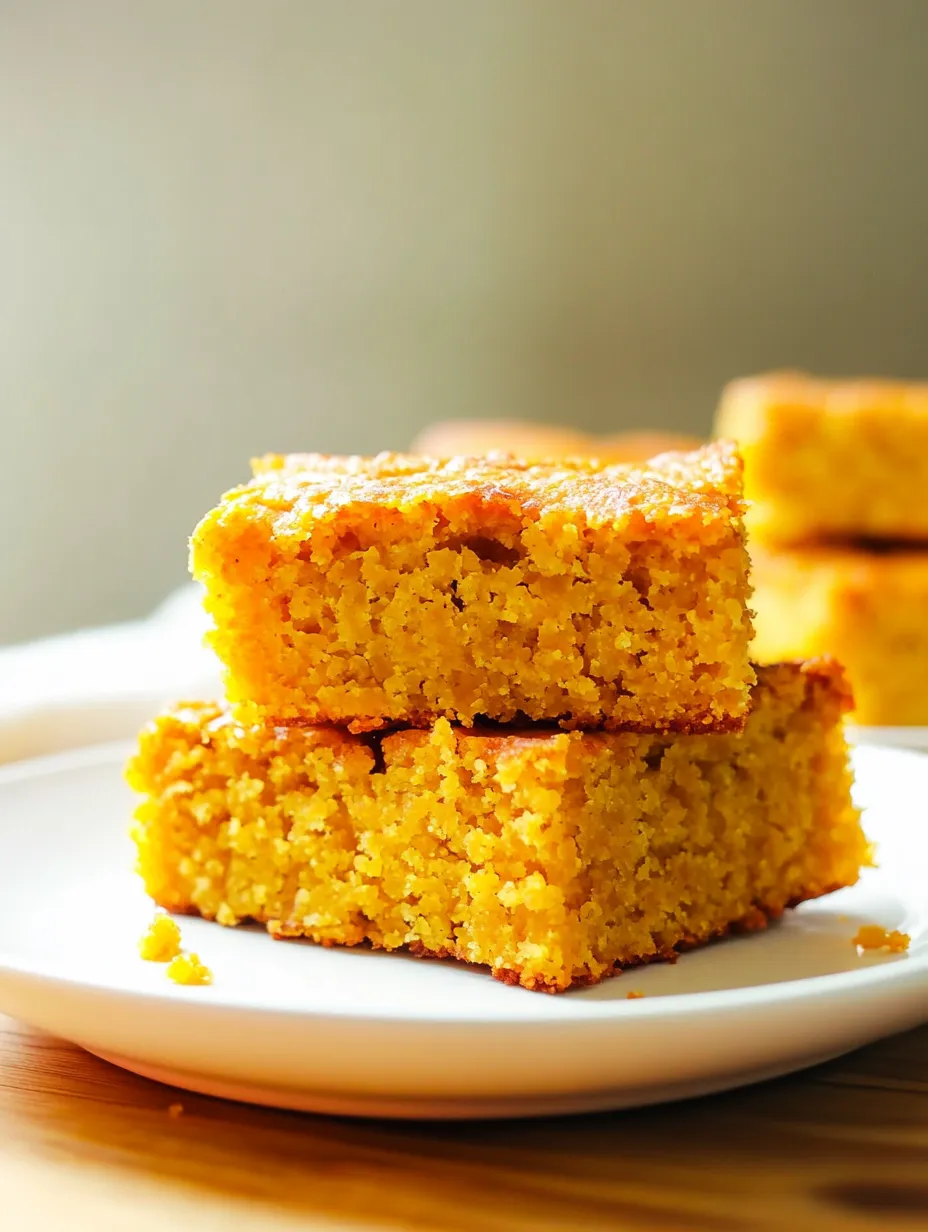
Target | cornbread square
(397,590)
(553,858)
(830,459)
(868,608)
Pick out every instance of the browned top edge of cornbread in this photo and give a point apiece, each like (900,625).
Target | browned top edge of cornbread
(709,479)
(747,400)
(823,677)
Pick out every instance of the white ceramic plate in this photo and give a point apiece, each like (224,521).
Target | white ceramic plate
(298,1026)
(897,737)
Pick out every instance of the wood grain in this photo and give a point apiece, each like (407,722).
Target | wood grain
(85,1146)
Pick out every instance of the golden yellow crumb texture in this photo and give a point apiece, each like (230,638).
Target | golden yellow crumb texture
(875,937)
(373,592)
(187,969)
(161,941)
(551,857)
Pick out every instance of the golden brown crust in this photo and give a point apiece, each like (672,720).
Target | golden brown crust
(709,478)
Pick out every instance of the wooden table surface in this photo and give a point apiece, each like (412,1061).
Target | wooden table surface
(85,1146)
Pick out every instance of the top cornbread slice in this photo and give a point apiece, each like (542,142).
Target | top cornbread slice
(399,589)
(830,459)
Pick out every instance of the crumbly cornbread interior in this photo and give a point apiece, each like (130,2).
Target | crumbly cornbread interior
(396,590)
(551,857)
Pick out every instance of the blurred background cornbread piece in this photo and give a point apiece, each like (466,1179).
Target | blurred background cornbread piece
(836,476)
(869,608)
(830,459)
(536,442)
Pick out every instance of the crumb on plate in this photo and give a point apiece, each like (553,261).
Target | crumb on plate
(175,1111)
(187,969)
(875,937)
(633,996)
(161,941)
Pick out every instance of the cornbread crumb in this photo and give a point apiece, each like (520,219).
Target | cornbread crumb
(175,1111)
(187,969)
(553,858)
(396,590)
(633,996)
(875,937)
(161,941)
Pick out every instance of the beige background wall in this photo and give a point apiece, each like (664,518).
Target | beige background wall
(230,227)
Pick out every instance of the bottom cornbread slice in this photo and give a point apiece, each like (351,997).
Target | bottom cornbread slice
(553,858)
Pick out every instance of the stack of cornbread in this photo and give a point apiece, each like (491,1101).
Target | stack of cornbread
(837,473)
(497,711)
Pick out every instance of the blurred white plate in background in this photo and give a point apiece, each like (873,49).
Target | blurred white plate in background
(102,684)
(375,1034)
(894,737)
